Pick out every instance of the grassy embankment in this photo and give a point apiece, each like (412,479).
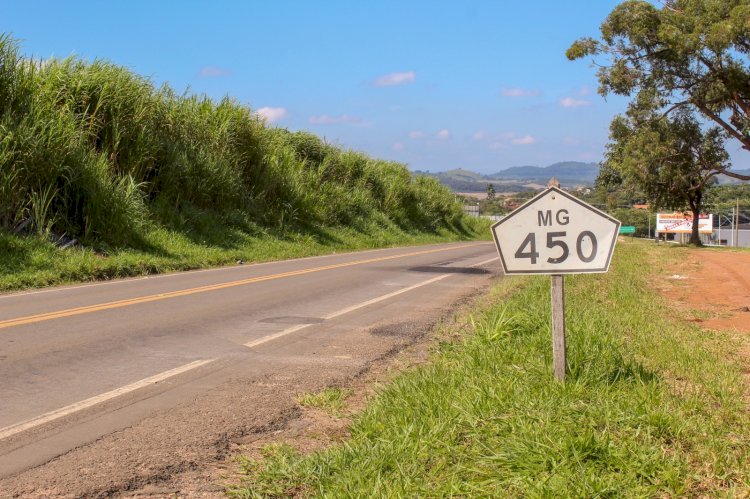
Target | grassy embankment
(652,406)
(147,180)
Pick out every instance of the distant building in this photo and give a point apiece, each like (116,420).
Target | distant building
(511,204)
(724,236)
(472,210)
(642,206)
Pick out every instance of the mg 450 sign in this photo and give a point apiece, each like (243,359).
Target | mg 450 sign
(555,233)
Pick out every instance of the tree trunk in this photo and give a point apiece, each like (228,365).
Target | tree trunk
(695,238)
(696,202)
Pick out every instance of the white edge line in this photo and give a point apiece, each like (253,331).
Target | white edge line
(121,280)
(85,404)
(485,262)
(384,297)
(343,311)
(270,337)
(346,310)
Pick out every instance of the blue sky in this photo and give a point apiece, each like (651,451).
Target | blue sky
(482,85)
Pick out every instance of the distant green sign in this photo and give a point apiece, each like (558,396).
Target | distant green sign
(627,229)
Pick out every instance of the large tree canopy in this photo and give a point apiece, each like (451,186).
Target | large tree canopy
(672,160)
(691,54)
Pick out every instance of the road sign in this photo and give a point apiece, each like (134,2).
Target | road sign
(627,229)
(555,233)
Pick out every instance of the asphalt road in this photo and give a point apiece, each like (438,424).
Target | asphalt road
(79,363)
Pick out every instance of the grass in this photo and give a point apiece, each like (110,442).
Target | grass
(330,400)
(651,407)
(27,262)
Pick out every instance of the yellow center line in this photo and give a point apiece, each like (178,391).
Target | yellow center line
(202,289)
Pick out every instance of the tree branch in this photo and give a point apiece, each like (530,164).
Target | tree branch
(726,126)
(745,106)
(732,174)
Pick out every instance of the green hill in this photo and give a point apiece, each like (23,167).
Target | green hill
(94,153)
(573,171)
(462,175)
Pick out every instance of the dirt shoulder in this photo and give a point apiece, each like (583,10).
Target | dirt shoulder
(711,288)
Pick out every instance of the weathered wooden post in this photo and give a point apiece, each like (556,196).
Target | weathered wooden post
(558,327)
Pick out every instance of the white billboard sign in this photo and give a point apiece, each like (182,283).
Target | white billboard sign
(682,223)
(555,233)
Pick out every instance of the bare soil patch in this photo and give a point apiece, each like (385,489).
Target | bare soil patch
(711,288)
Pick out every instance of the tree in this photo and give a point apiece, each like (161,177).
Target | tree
(672,160)
(688,54)
(490,191)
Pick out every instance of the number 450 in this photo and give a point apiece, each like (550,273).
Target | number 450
(528,247)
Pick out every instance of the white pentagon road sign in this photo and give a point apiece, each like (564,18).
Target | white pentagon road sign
(555,233)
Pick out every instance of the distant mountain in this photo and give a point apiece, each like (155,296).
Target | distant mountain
(461,175)
(460,180)
(526,178)
(518,178)
(566,171)
(723,179)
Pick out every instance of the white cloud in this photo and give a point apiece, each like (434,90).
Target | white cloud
(272,114)
(480,135)
(518,92)
(572,102)
(325,119)
(417,134)
(584,91)
(394,79)
(442,134)
(495,146)
(524,141)
(213,72)
(398,146)
(571,141)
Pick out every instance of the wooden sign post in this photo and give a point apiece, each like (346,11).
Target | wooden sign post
(555,233)
(558,327)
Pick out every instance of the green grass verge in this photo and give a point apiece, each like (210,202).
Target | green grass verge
(331,400)
(651,407)
(27,262)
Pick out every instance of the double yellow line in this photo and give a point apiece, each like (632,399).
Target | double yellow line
(31,319)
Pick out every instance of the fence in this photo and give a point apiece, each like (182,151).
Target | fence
(725,236)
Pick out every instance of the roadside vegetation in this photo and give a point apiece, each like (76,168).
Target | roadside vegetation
(330,400)
(651,406)
(138,179)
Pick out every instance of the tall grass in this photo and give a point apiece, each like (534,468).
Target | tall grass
(92,150)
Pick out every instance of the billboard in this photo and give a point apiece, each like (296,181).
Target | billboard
(682,223)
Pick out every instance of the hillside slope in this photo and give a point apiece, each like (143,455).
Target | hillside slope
(94,153)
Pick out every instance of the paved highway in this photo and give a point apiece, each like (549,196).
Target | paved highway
(95,373)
